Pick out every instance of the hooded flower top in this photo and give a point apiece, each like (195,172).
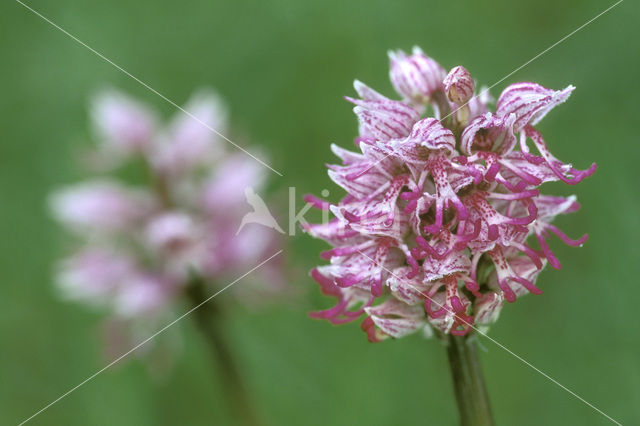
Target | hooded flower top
(140,245)
(443,220)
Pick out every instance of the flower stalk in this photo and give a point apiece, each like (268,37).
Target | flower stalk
(468,381)
(209,319)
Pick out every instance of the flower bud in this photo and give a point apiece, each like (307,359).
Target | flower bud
(123,124)
(170,232)
(415,77)
(143,294)
(192,140)
(224,190)
(459,85)
(101,205)
(93,274)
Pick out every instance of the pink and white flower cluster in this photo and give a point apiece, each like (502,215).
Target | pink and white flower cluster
(142,244)
(443,220)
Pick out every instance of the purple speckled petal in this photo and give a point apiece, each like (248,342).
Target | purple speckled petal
(530,102)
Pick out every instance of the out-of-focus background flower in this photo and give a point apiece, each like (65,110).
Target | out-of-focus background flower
(283,68)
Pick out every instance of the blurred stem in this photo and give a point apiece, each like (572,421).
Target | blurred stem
(468,381)
(210,322)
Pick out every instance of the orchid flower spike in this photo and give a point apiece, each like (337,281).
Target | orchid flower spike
(443,220)
(142,245)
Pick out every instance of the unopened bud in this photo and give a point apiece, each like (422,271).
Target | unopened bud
(459,85)
(415,76)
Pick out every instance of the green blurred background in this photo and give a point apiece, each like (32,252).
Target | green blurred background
(283,67)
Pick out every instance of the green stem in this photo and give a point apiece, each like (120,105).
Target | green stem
(209,320)
(468,382)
